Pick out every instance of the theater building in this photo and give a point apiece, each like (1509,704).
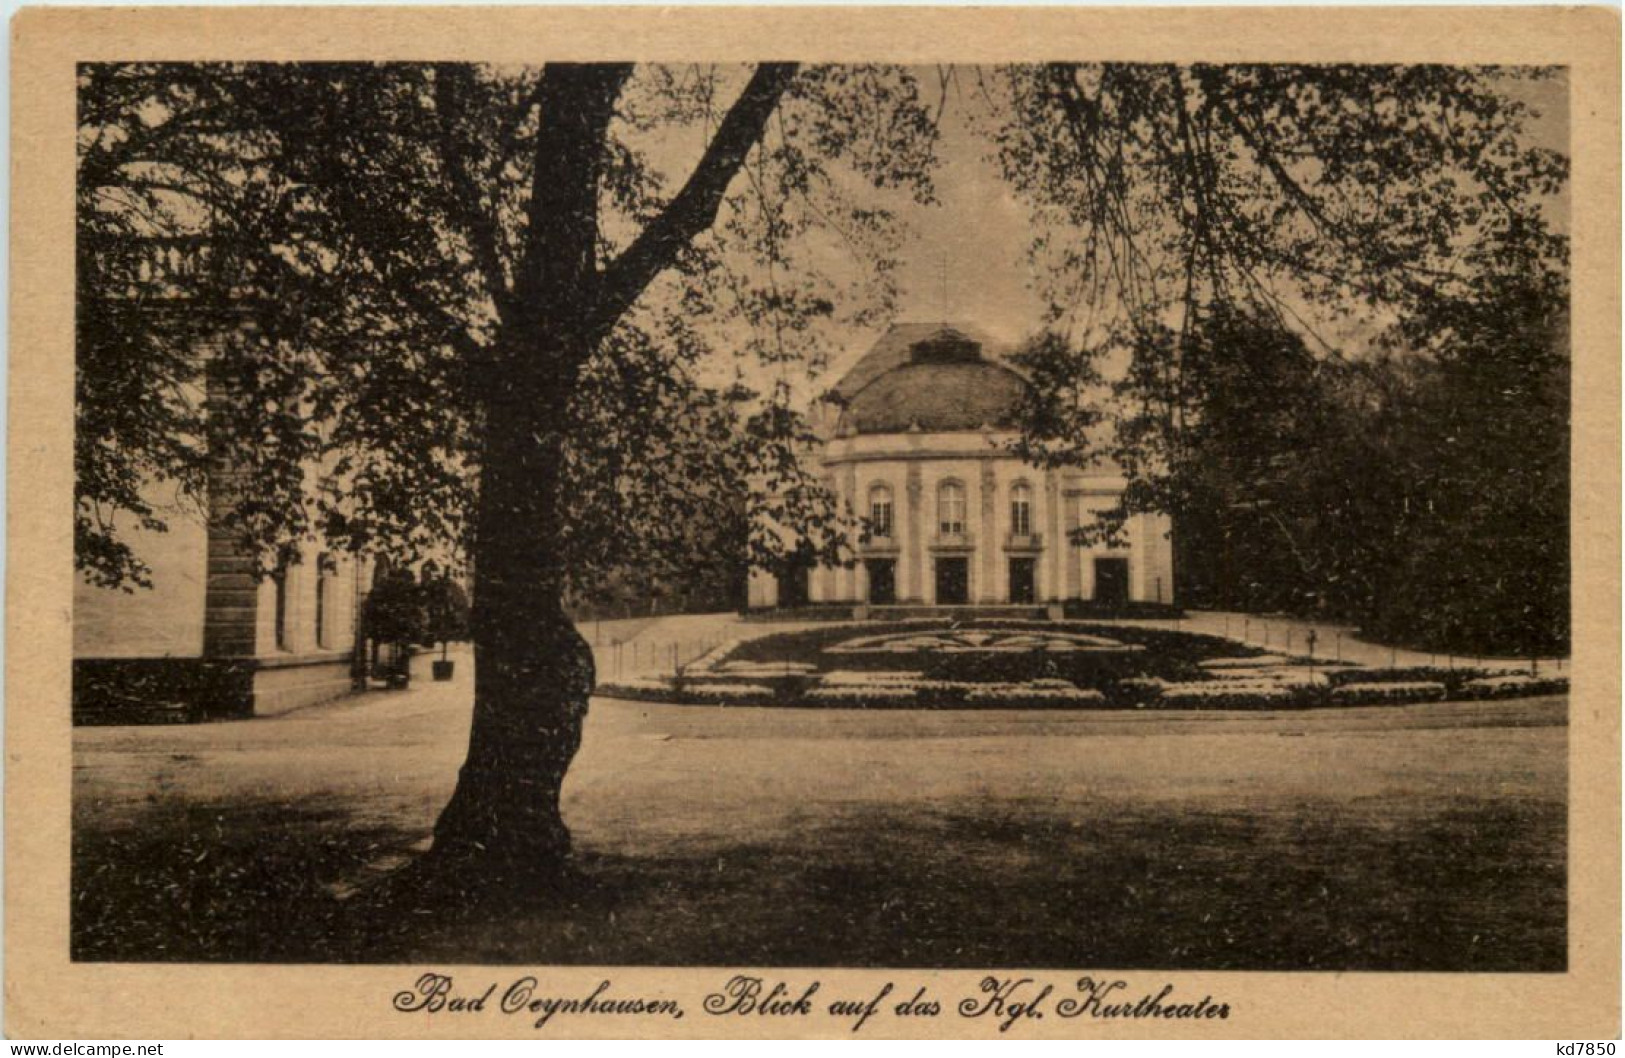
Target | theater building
(915,437)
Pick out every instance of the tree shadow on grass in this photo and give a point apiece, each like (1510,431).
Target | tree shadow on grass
(1477,886)
(238,883)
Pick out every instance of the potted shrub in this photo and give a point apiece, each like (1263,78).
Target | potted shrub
(394,616)
(446,609)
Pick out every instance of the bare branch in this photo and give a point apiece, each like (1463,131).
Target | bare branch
(694,209)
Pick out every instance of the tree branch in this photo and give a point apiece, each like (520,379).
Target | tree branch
(464,201)
(694,209)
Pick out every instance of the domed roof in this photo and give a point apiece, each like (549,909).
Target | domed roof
(934,396)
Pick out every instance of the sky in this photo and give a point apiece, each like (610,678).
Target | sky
(976,236)
(980,231)
(965,257)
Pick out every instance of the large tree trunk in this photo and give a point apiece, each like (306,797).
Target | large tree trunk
(533,671)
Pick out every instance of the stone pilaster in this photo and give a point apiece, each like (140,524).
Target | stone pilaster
(1075,556)
(231,590)
(988,548)
(857,504)
(1056,547)
(914,538)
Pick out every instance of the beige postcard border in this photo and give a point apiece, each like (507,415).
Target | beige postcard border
(48,996)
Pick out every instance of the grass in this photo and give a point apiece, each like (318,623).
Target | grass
(239,882)
(1425,838)
(1477,888)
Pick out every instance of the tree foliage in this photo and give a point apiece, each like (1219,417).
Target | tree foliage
(1282,298)
(369,226)
(150,164)
(476,310)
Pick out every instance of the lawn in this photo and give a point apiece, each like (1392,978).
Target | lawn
(1425,837)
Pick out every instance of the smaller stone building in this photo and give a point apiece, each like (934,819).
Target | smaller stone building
(210,639)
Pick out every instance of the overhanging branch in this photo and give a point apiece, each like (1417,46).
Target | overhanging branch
(694,209)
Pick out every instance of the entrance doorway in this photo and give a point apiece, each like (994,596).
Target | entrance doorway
(953,581)
(793,585)
(1111,581)
(1021,580)
(882,581)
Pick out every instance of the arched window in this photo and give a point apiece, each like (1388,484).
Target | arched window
(880,512)
(1021,510)
(950,508)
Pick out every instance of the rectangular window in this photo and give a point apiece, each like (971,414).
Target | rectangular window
(951,509)
(1021,517)
(880,518)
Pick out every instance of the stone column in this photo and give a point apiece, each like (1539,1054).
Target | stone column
(821,578)
(914,537)
(1074,556)
(1056,546)
(988,546)
(849,577)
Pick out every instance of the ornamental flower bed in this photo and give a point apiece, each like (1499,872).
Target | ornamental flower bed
(1033,695)
(757,668)
(1225,694)
(1514,685)
(1298,677)
(1245,663)
(1453,678)
(851,678)
(727,693)
(1139,690)
(949,694)
(864,695)
(1388,692)
(990,664)
(638,688)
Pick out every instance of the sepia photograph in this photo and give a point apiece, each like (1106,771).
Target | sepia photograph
(907,516)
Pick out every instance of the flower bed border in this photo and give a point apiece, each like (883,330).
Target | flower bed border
(1258,682)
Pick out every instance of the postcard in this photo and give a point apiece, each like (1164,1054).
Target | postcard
(797,522)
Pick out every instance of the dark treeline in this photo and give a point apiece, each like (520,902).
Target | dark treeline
(1423,495)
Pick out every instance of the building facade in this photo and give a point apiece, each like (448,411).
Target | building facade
(211,637)
(918,442)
